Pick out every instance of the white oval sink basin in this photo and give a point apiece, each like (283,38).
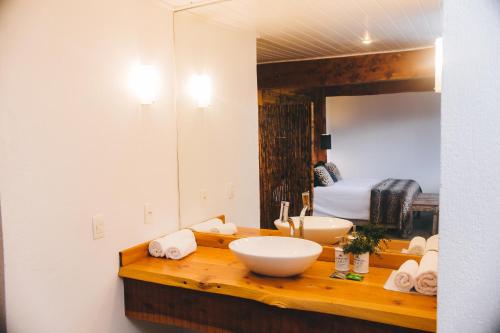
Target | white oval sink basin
(276,256)
(324,230)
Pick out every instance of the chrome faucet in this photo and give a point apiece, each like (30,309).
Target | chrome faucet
(285,205)
(284,211)
(293,232)
(306,206)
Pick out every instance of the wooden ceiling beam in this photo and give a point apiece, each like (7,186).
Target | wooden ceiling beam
(381,87)
(362,69)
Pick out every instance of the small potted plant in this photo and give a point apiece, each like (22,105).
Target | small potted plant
(362,245)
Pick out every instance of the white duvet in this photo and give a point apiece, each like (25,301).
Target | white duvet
(347,198)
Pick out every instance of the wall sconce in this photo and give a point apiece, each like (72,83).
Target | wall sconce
(438,64)
(201,90)
(145,80)
(325,141)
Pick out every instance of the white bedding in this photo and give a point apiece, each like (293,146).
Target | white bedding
(347,198)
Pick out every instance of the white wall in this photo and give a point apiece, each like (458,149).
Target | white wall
(74,143)
(469,292)
(218,145)
(390,135)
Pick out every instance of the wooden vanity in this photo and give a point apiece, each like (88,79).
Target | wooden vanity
(211,291)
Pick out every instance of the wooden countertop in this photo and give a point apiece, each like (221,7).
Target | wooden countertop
(216,270)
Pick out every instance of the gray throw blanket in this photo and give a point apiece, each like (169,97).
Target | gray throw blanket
(390,204)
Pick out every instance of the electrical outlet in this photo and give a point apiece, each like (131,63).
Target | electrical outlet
(203,194)
(148,213)
(98,226)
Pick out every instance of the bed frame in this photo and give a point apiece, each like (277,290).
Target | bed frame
(425,202)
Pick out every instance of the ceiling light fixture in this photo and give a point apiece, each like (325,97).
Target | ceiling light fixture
(366,39)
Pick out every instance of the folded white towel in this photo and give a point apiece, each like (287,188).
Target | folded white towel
(432,243)
(417,245)
(207,225)
(427,275)
(225,229)
(158,247)
(405,275)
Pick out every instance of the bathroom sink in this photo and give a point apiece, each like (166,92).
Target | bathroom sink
(275,255)
(324,230)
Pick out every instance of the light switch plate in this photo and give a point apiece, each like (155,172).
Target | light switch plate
(203,194)
(98,226)
(148,213)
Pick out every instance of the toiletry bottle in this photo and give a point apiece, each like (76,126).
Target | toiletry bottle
(341,258)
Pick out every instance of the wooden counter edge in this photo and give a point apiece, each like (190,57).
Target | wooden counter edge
(414,321)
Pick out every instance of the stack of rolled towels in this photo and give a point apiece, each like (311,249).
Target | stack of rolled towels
(176,245)
(418,245)
(423,277)
(215,226)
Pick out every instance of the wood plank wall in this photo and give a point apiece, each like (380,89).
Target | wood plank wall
(284,158)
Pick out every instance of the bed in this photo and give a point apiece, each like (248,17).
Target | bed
(347,198)
(385,202)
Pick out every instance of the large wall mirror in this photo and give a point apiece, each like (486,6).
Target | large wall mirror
(278,98)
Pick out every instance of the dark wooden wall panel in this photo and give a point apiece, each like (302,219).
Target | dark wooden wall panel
(404,65)
(207,312)
(284,158)
(381,87)
(319,125)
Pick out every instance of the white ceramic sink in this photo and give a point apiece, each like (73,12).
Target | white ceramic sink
(276,256)
(324,230)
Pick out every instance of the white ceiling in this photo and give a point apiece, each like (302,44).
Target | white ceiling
(304,29)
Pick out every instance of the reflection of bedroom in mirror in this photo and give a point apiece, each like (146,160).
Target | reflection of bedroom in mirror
(347,109)
(361,132)
(373,147)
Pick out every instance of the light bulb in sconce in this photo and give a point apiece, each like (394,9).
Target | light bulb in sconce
(144,80)
(200,88)
(438,64)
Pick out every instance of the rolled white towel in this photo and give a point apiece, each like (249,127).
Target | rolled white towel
(181,248)
(417,245)
(432,244)
(225,229)
(207,225)
(426,281)
(405,275)
(158,247)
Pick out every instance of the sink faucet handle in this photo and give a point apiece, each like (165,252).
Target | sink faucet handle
(284,211)
(306,199)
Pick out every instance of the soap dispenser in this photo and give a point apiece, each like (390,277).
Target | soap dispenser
(341,258)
